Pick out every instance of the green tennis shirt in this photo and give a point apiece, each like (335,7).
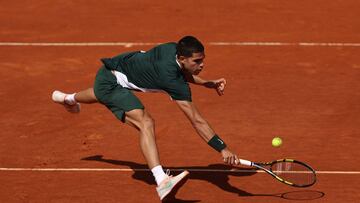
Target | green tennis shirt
(151,71)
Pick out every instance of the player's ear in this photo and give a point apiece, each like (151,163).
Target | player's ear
(181,58)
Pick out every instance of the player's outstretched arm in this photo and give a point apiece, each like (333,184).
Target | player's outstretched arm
(206,132)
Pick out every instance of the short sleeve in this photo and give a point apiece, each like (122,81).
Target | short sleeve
(178,89)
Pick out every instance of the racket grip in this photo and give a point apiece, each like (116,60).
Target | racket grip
(245,162)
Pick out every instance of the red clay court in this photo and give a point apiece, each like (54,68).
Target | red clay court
(292,70)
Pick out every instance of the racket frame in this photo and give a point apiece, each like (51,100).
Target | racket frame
(262,166)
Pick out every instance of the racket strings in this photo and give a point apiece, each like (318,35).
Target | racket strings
(293,172)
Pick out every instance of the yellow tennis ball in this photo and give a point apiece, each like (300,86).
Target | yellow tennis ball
(276,142)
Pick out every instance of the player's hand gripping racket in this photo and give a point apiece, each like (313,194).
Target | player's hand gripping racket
(288,171)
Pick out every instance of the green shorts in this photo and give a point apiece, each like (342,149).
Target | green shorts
(115,97)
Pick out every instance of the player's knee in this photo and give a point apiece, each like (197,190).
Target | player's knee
(140,119)
(144,121)
(147,122)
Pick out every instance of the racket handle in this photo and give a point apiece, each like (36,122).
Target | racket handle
(245,162)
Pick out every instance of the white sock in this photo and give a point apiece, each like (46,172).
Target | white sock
(159,174)
(70,99)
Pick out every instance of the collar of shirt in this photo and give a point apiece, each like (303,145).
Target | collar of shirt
(177,61)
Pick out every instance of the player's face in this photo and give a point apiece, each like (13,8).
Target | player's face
(193,64)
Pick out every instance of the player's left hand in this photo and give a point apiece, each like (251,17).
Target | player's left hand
(218,85)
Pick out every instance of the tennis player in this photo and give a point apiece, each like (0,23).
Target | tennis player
(168,68)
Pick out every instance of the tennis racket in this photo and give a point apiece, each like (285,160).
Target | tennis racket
(288,171)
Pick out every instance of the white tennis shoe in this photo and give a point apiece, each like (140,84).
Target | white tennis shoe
(59,97)
(171,184)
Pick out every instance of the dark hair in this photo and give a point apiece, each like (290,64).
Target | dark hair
(188,45)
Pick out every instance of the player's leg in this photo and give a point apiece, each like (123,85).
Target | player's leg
(86,96)
(143,122)
(129,109)
(72,101)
